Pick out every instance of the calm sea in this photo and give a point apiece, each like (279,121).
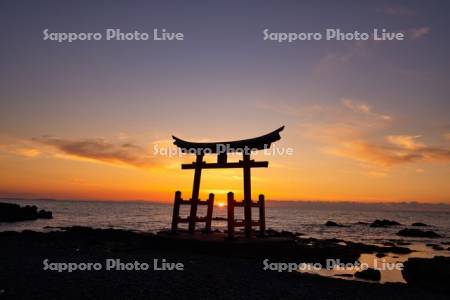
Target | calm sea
(304,217)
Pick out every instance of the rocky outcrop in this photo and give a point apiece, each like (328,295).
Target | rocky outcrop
(419,224)
(333,224)
(412,232)
(429,273)
(383,223)
(10,212)
(369,274)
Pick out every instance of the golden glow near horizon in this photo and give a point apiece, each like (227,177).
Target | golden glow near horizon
(330,162)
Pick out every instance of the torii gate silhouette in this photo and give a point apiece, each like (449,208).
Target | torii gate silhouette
(222,149)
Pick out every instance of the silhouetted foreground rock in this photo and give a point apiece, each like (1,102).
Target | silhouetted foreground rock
(369,274)
(10,212)
(412,232)
(419,224)
(383,223)
(429,273)
(333,224)
(213,266)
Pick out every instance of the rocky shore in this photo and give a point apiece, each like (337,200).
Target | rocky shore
(213,268)
(10,212)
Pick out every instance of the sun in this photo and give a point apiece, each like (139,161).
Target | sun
(220,204)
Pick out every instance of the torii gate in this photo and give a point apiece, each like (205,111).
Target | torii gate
(222,149)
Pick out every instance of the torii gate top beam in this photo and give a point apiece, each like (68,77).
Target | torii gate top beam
(258,143)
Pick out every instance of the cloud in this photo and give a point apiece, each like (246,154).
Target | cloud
(417,33)
(100,150)
(397,150)
(447,136)
(396,10)
(364,108)
(405,141)
(11,145)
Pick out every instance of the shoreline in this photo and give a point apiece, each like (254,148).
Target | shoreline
(222,269)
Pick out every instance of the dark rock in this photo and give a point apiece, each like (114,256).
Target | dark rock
(429,273)
(389,244)
(380,255)
(285,233)
(417,233)
(419,224)
(369,274)
(43,214)
(403,243)
(361,223)
(219,219)
(333,224)
(383,223)
(10,212)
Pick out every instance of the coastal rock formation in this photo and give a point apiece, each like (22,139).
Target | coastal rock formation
(333,224)
(369,274)
(412,232)
(383,223)
(10,212)
(429,273)
(419,224)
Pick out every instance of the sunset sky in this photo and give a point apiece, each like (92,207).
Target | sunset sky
(368,120)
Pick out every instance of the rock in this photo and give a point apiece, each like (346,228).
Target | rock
(429,273)
(419,224)
(389,244)
(410,232)
(403,243)
(383,223)
(369,274)
(43,214)
(285,233)
(219,219)
(10,212)
(380,255)
(333,224)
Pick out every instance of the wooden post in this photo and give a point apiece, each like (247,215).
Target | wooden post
(247,196)
(195,192)
(230,214)
(262,215)
(176,211)
(209,212)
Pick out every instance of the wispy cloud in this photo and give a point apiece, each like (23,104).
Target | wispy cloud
(100,150)
(364,108)
(396,10)
(405,141)
(394,150)
(417,33)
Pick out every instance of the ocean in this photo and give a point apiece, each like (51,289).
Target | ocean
(303,217)
(307,218)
